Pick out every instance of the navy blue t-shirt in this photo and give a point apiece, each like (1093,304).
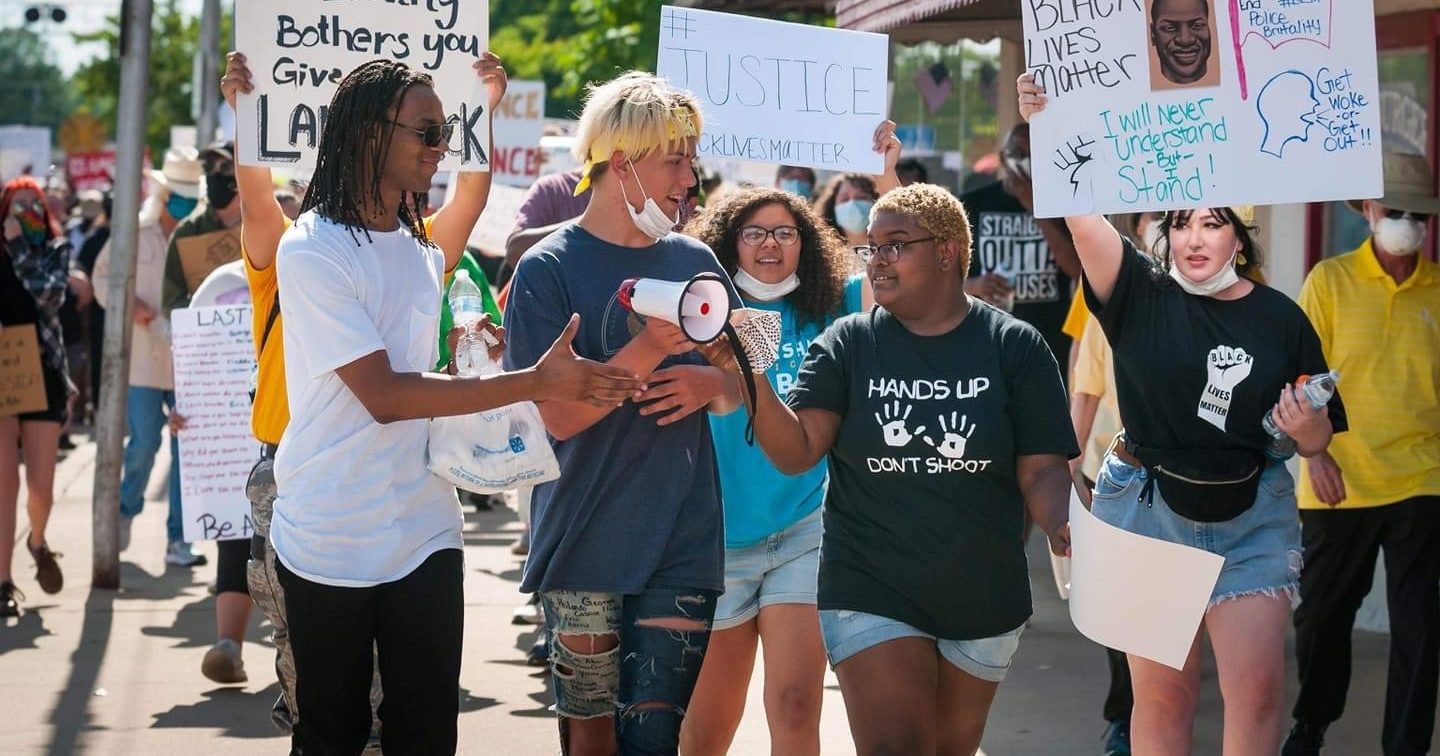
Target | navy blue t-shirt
(636,504)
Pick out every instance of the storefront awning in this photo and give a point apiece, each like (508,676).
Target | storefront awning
(934,20)
(884,15)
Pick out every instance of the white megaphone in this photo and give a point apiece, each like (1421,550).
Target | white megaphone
(700,306)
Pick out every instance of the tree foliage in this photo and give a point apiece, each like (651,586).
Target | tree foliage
(175,38)
(33,90)
(569,43)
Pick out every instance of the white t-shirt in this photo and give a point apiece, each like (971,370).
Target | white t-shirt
(357,506)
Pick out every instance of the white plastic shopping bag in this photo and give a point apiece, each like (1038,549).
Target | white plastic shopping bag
(492,451)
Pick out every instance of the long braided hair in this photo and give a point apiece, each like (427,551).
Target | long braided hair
(355,143)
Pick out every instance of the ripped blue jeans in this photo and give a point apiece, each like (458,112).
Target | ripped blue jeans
(645,682)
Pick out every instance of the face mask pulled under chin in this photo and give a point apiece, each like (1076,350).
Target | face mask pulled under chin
(1399,236)
(651,221)
(1222,280)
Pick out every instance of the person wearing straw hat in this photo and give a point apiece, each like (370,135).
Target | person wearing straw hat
(175,192)
(1377,312)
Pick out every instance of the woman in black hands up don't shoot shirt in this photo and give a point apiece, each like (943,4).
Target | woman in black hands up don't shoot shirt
(1201,356)
(944,421)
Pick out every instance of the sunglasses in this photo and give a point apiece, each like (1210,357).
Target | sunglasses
(1398,214)
(434,135)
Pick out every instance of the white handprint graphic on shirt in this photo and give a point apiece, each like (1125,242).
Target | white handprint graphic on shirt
(893,423)
(953,436)
(1226,367)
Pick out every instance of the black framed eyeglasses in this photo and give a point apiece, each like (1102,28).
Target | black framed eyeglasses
(434,135)
(785,236)
(889,253)
(1394,214)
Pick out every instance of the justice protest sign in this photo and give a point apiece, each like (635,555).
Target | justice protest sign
(519,124)
(1166,104)
(299,50)
(778,92)
(214,355)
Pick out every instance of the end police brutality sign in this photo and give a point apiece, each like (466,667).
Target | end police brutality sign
(298,51)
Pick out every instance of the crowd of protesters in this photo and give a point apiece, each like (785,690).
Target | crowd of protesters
(821,510)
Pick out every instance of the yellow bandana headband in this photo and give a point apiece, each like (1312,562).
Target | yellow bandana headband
(679,124)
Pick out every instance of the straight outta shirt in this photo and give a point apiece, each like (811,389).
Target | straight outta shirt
(1009,243)
(923,517)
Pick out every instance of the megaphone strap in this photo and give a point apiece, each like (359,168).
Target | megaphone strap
(743,360)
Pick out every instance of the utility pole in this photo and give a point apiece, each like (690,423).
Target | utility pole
(207,66)
(110,421)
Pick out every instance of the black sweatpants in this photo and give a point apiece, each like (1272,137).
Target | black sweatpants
(414,624)
(1341,547)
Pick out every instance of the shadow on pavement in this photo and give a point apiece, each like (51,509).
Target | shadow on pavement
(139,585)
(194,626)
(71,714)
(235,712)
(24,631)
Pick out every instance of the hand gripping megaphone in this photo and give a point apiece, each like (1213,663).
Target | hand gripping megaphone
(700,306)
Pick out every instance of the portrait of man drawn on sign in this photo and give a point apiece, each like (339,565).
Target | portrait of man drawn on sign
(1183,49)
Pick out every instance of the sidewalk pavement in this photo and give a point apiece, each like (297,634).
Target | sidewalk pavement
(118,672)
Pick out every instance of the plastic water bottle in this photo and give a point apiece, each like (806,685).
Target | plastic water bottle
(472,354)
(1318,390)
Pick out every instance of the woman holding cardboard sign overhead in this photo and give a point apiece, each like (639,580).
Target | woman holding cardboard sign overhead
(34,276)
(1201,353)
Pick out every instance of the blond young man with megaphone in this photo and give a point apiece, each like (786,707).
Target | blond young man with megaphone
(627,545)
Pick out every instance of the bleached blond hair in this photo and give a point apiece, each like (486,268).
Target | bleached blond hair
(638,113)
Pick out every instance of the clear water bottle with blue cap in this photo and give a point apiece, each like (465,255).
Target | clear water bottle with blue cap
(1318,390)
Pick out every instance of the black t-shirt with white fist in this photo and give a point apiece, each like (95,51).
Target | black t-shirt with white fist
(924,519)
(1196,372)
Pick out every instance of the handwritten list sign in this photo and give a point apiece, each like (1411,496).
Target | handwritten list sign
(1166,104)
(778,92)
(300,50)
(22,383)
(214,360)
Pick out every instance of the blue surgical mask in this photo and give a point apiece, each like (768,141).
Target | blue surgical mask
(800,187)
(180,207)
(854,215)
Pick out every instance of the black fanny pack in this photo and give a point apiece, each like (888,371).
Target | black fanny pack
(1204,485)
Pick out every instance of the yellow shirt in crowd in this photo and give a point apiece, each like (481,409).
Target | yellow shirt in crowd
(271,412)
(1384,338)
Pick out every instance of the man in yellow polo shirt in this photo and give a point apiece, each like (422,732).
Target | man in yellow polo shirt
(1377,311)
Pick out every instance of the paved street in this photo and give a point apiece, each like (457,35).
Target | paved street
(119,672)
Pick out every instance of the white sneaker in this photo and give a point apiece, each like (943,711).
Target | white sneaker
(181,554)
(222,663)
(125,523)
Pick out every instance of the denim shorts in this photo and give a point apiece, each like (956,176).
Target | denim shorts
(782,569)
(848,633)
(1261,546)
